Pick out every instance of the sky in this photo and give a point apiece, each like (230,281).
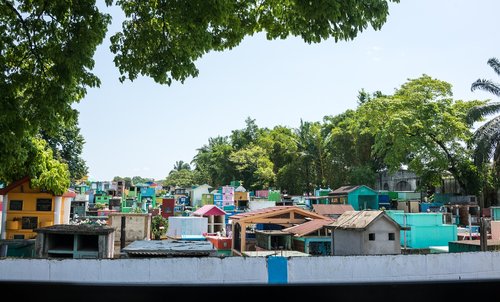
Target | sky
(141,128)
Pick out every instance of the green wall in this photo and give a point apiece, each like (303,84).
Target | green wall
(361,197)
(426,229)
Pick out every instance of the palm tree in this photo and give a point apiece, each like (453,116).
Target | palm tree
(486,138)
(181,165)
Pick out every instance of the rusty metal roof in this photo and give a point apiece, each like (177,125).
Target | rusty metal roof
(169,248)
(344,190)
(272,212)
(332,209)
(359,219)
(89,229)
(262,211)
(308,227)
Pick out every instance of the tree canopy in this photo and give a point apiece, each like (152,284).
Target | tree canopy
(420,126)
(423,127)
(180,32)
(46,54)
(47,49)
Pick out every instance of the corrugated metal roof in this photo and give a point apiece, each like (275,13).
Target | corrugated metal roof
(275,253)
(344,189)
(209,210)
(171,248)
(308,227)
(262,211)
(356,219)
(90,229)
(272,232)
(332,209)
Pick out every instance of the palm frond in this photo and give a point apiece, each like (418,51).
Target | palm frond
(478,112)
(486,85)
(495,64)
(496,155)
(486,139)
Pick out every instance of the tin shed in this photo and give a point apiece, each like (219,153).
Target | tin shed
(365,233)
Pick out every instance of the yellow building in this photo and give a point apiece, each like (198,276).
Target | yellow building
(28,208)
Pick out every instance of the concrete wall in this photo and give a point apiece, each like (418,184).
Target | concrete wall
(150,271)
(197,194)
(190,225)
(381,245)
(495,230)
(393,179)
(347,242)
(409,206)
(394,268)
(254,205)
(353,242)
(247,270)
(137,226)
(108,244)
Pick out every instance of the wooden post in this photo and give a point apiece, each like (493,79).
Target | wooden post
(470,227)
(243,237)
(3,225)
(122,233)
(483,235)
(233,235)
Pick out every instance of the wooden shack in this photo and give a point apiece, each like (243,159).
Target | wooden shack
(283,216)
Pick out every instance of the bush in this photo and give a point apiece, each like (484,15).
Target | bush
(159,227)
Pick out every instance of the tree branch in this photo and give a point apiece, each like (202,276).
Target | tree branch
(453,169)
(32,45)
